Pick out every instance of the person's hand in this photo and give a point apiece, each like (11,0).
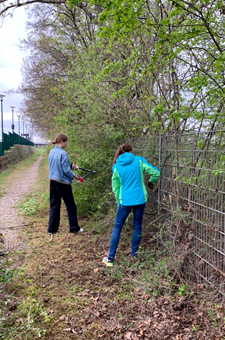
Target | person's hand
(75,167)
(150,185)
(80,180)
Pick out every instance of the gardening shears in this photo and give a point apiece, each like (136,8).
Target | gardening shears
(89,171)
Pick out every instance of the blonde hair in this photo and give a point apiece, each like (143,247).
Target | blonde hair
(60,138)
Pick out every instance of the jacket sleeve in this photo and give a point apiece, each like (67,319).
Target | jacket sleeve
(66,166)
(116,185)
(150,170)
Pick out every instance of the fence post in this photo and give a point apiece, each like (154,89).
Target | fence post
(162,145)
(1,149)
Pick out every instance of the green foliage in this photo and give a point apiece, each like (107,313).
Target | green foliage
(136,60)
(114,70)
(30,311)
(72,3)
(183,290)
(29,207)
(44,199)
(92,194)
(6,274)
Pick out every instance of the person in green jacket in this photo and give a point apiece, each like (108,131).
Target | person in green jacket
(131,195)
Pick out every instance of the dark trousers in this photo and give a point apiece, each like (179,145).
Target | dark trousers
(60,191)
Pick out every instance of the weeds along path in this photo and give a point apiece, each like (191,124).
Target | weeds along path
(61,290)
(22,184)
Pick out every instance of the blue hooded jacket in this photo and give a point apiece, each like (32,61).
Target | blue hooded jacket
(128,179)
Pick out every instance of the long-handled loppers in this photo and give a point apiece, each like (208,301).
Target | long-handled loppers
(89,172)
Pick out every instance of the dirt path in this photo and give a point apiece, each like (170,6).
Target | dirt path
(64,291)
(9,214)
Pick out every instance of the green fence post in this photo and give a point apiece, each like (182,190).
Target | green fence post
(1,149)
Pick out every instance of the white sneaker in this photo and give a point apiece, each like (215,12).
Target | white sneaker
(107,262)
(76,232)
(51,236)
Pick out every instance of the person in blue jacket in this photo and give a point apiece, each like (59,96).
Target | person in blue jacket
(61,177)
(131,194)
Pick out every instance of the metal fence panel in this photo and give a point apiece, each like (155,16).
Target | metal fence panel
(10,139)
(1,149)
(193,184)
(149,149)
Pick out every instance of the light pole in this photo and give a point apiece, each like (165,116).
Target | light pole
(1,97)
(12,126)
(18,124)
(28,131)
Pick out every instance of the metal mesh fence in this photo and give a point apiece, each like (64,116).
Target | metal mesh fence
(192,191)
(149,149)
(192,186)
(10,139)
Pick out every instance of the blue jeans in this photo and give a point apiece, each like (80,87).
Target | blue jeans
(121,216)
(60,191)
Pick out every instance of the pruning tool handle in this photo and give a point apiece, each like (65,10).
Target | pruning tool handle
(86,169)
(89,173)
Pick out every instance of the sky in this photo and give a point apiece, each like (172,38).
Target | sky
(11,31)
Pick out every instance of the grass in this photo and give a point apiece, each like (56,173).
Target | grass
(61,290)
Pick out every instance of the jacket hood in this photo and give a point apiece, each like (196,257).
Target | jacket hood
(125,159)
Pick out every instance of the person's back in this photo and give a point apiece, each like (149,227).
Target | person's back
(131,195)
(59,166)
(128,175)
(61,176)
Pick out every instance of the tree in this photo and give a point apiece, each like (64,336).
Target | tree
(53,39)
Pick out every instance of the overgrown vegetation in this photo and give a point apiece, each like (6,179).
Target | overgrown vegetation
(105,72)
(62,290)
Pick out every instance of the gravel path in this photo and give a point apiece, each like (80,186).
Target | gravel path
(9,214)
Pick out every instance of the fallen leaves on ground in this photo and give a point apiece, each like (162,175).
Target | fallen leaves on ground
(77,297)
